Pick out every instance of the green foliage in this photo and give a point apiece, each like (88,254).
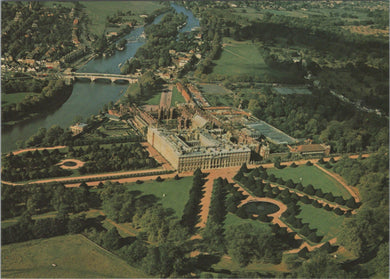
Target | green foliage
(76,224)
(127,157)
(164,261)
(23,36)
(320,265)
(155,221)
(192,207)
(52,95)
(382,261)
(111,239)
(246,243)
(365,230)
(135,252)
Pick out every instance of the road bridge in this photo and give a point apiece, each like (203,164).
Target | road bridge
(95,76)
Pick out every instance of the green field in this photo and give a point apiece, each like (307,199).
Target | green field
(15,98)
(311,175)
(326,222)
(240,58)
(74,255)
(244,59)
(176,192)
(155,100)
(234,220)
(97,11)
(176,97)
(217,95)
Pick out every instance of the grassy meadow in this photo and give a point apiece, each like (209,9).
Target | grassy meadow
(74,255)
(240,58)
(155,100)
(217,95)
(98,11)
(176,192)
(311,175)
(327,223)
(243,59)
(176,97)
(7,99)
(234,220)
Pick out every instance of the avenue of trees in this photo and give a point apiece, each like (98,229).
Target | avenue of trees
(192,208)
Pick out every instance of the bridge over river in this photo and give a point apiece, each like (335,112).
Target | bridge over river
(101,76)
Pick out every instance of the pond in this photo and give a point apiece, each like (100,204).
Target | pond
(260,208)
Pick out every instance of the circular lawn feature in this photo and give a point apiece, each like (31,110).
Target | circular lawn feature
(260,208)
(69,164)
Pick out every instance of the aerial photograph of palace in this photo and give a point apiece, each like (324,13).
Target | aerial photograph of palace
(195,139)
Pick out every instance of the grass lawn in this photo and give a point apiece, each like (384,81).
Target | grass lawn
(98,11)
(155,100)
(326,222)
(15,98)
(233,220)
(176,192)
(314,176)
(239,58)
(217,95)
(74,255)
(245,59)
(176,97)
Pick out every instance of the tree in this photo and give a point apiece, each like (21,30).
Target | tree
(76,224)
(382,261)
(320,265)
(111,239)
(135,252)
(329,196)
(351,203)
(159,179)
(309,189)
(340,200)
(244,168)
(365,230)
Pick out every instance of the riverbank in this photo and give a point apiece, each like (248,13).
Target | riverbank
(52,104)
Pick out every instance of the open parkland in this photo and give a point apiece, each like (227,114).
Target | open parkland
(172,194)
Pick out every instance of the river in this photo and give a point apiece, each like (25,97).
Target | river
(88,98)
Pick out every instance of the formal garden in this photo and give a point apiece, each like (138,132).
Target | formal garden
(149,223)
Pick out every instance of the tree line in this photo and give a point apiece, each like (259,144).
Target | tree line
(117,157)
(54,94)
